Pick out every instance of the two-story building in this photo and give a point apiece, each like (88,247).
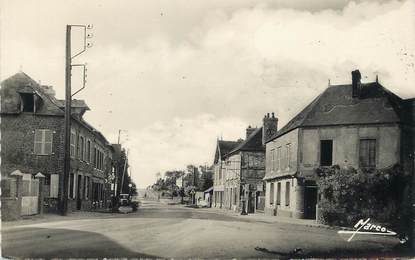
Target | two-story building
(32,134)
(357,125)
(242,170)
(222,148)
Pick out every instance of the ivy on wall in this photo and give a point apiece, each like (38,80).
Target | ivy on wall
(348,195)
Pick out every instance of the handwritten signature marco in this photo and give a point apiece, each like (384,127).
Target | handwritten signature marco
(364,227)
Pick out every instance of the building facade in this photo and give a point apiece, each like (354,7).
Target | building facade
(241,173)
(222,148)
(32,133)
(356,125)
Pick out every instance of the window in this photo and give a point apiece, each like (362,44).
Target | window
(279,158)
(73,140)
(367,153)
(28,102)
(71,186)
(279,193)
(86,187)
(43,142)
(326,152)
(288,151)
(272,159)
(82,148)
(78,146)
(88,151)
(287,194)
(271,194)
(94,160)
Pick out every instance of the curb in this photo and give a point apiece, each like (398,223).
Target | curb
(316,225)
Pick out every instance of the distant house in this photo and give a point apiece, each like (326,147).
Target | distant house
(358,125)
(32,133)
(242,170)
(222,148)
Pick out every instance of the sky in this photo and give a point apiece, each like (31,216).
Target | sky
(177,75)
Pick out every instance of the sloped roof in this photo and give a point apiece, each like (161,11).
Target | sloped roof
(23,83)
(224,147)
(336,106)
(252,143)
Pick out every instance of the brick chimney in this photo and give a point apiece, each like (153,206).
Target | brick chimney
(269,128)
(249,131)
(356,84)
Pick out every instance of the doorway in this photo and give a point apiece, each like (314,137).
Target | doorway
(251,203)
(79,193)
(310,202)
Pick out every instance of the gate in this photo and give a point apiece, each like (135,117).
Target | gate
(30,195)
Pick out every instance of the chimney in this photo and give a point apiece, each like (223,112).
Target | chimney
(249,131)
(356,85)
(269,128)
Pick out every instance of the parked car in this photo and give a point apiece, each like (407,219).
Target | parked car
(124,199)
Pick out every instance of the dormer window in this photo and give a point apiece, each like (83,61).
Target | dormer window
(28,102)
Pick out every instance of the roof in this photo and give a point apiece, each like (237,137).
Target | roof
(252,143)
(224,147)
(75,103)
(23,83)
(335,106)
(209,190)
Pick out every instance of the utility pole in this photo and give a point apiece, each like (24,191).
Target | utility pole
(67,140)
(63,199)
(123,172)
(194,185)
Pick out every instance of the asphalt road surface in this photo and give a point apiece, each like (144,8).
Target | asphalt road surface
(165,231)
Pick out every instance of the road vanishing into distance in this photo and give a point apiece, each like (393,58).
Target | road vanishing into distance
(159,230)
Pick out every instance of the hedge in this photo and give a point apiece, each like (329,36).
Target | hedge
(348,195)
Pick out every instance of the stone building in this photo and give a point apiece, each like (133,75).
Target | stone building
(222,148)
(241,171)
(32,134)
(357,125)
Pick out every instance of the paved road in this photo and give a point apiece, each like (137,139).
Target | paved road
(160,230)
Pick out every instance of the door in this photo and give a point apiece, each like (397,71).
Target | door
(30,195)
(251,203)
(79,193)
(310,202)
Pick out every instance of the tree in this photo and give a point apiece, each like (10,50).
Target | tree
(206,178)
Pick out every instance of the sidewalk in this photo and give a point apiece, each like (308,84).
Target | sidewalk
(51,217)
(261,217)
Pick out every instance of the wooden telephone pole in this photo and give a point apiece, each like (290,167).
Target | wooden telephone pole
(64,184)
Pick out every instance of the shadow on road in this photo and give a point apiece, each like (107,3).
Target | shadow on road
(62,243)
(298,253)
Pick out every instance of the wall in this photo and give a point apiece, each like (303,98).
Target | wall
(282,209)
(286,168)
(346,145)
(17,135)
(232,174)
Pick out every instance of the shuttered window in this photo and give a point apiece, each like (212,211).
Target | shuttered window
(73,140)
(43,142)
(367,153)
(54,185)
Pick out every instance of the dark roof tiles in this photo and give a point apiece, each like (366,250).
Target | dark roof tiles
(336,106)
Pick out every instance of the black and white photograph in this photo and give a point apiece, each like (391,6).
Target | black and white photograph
(207,129)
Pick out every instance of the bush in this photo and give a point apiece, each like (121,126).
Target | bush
(348,195)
